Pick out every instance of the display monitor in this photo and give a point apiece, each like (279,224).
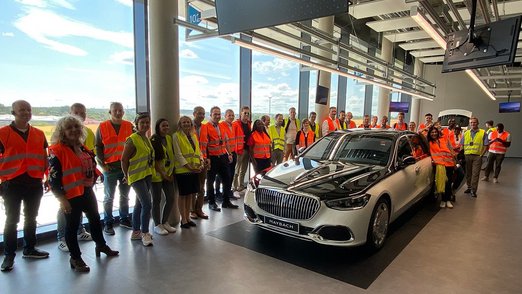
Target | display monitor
(508,107)
(399,107)
(493,44)
(321,95)
(244,15)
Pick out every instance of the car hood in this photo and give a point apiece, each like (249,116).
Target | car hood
(325,179)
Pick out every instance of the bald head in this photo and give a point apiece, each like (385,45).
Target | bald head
(21,110)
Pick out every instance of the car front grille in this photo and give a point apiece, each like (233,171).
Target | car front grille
(287,205)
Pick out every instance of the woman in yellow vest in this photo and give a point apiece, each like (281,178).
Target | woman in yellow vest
(137,163)
(277,135)
(162,178)
(72,174)
(444,160)
(259,144)
(188,164)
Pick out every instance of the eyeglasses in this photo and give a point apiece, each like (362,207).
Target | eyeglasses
(246,113)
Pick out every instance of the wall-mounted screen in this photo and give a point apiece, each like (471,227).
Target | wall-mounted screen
(508,107)
(321,95)
(399,107)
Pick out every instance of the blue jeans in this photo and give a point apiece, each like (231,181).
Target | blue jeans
(111,180)
(60,225)
(143,205)
(14,195)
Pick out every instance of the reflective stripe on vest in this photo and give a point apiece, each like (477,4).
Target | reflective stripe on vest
(212,143)
(168,155)
(191,156)
(497,147)
(261,145)
(140,165)
(440,153)
(72,173)
(22,156)
(478,142)
(278,140)
(227,131)
(113,143)
(333,126)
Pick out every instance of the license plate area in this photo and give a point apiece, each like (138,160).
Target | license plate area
(289,226)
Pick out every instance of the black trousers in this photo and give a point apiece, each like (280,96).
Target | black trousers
(168,190)
(447,190)
(14,194)
(85,203)
(232,171)
(219,165)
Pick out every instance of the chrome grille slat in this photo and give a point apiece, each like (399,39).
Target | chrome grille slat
(287,205)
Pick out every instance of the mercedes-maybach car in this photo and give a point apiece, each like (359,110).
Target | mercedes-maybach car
(345,189)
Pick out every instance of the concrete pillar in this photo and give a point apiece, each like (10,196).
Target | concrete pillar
(383,106)
(415,102)
(164,69)
(325,24)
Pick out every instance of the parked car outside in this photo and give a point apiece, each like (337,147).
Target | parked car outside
(345,189)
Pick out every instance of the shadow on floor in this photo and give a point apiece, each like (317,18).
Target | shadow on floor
(355,266)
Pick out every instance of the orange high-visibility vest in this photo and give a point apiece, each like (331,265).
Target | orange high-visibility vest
(351,125)
(240,135)
(262,144)
(440,152)
(227,130)
(333,125)
(22,157)
(72,173)
(211,142)
(450,136)
(309,140)
(497,147)
(113,143)
(400,126)
(380,126)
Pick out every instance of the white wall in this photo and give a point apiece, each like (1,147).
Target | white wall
(457,90)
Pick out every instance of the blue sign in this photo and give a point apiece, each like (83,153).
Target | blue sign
(194,16)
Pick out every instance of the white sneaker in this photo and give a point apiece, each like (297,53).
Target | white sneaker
(449,204)
(160,230)
(495,180)
(237,194)
(146,239)
(485,179)
(169,228)
(442,204)
(84,236)
(136,235)
(62,245)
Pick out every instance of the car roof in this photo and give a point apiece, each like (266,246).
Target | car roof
(386,132)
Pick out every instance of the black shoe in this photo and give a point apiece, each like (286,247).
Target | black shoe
(78,265)
(8,263)
(192,224)
(214,207)
(473,194)
(35,253)
(468,190)
(185,226)
(108,229)
(126,223)
(228,204)
(106,250)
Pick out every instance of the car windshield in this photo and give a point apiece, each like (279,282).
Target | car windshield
(365,149)
(321,150)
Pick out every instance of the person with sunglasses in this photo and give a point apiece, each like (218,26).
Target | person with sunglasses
(137,163)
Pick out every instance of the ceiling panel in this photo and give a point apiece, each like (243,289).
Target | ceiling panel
(432,59)
(407,36)
(504,8)
(392,24)
(419,45)
(425,53)
(380,7)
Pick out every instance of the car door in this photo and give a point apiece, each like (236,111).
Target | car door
(405,177)
(425,169)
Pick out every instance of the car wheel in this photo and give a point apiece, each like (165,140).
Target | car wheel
(378,228)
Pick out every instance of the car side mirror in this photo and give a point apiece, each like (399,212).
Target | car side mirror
(408,160)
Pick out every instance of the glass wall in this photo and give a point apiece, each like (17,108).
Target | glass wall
(55,53)
(209,74)
(275,85)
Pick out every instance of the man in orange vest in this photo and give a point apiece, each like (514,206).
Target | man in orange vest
(197,203)
(110,140)
(23,162)
(227,129)
(428,122)
(350,124)
(400,125)
(384,123)
(499,141)
(330,124)
(366,122)
(217,157)
(242,129)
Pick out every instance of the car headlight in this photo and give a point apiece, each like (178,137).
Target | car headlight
(349,203)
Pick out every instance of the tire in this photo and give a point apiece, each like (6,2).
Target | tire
(378,226)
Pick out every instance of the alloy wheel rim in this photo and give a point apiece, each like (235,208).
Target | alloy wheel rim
(380,224)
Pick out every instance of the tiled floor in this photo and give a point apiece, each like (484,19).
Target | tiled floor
(473,248)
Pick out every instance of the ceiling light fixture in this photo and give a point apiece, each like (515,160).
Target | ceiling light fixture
(475,78)
(287,56)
